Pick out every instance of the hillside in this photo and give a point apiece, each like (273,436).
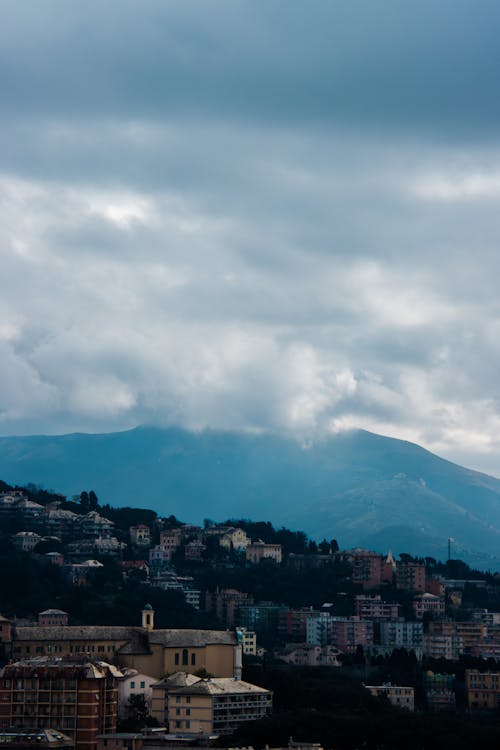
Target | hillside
(361,488)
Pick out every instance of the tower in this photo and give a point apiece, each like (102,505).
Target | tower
(148,617)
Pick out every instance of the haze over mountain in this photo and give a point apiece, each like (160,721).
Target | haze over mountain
(362,488)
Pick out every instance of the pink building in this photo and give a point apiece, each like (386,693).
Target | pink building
(347,633)
(51,617)
(428,603)
(366,568)
(410,576)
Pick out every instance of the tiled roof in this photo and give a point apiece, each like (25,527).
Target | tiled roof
(192,638)
(220,686)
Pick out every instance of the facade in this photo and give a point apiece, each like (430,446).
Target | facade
(203,707)
(134,683)
(151,652)
(261,618)
(26,541)
(346,633)
(483,690)
(140,536)
(402,634)
(410,576)
(366,568)
(428,604)
(439,691)
(373,608)
(292,624)
(52,617)
(309,655)
(258,551)
(236,539)
(79,698)
(225,603)
(439,646)
(397,695)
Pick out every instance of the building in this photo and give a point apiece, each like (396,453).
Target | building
(428,604)
(309,655)
(292,624)
(52,617)
(397,695)
(225,603)
(248,640)
(402,634)
(261,618)
(234,538)
(483,690)
(410,576)
(152,652)
(77,697)
(443,646)
(140,536)
(439,691)
(208,706)
(258,551)
(366,568)
(373,608)
(26,541)
(346,633)
(133,683)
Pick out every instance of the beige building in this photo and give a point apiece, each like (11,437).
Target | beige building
(397,695)
(483,690)
(258,551)
(152,652)
(191,705)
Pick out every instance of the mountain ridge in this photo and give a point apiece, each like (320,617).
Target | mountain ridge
(354,486)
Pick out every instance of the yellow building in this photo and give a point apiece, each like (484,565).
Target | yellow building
(150,651)
(483,690)
(205,706)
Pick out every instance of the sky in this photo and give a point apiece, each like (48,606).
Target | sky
(259,215)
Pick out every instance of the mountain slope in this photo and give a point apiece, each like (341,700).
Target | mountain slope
(359,487)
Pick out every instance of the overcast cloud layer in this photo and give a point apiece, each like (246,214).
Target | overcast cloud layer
(262,215)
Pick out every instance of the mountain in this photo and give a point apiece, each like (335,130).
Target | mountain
(360,488)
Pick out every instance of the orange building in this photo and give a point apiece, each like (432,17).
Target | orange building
(77,697)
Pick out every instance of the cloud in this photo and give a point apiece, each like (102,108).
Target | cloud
(257,216)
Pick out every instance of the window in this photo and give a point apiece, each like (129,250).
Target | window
(177,711)
(185,657)
(132,684)
(100,649)
(188,712)
(177,658)
(143,685)
(188,724)
(188,699)
(177,698)
(193,659)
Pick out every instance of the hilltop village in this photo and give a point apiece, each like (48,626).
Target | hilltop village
(230,633)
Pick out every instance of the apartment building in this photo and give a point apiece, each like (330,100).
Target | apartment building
(410,576)
(373,608)
(203,707)
(77,697)
(483,690)
(402,634)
